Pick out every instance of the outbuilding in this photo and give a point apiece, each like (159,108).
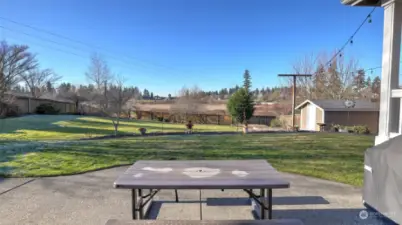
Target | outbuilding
(339,112)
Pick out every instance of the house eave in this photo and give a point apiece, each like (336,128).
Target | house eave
(351,110)
(305,102)
(361,2)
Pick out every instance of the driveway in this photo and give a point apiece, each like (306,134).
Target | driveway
(91,200)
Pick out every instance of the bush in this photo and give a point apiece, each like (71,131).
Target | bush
(167,120)
(160,118)
(12,112)
(142,130)
(358,129)
(361,129)
(46,108)
(276,123)
(8,110)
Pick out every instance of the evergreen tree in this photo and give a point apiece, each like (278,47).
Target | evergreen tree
(368,82)
(145,94)
(359,81)
(241,106)
(49,87)
(376,85)
(247,81)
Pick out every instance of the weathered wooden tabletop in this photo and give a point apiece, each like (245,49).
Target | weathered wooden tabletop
(201,174)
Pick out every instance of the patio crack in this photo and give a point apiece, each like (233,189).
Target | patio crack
(20,185)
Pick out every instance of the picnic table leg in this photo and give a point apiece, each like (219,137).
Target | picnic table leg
(270,204)
(176,195)
(263,204)
(200,206)
(134,203)
(140,205)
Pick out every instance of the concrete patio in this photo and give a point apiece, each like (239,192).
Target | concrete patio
(91,200)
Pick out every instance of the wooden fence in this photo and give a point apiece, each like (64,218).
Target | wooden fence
(183,118)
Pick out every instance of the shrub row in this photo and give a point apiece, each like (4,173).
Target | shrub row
(161,119)
(47,108)
(358,129)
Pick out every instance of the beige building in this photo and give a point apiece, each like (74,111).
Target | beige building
(315,112)
(25,104)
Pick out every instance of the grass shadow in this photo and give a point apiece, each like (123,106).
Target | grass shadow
(9,125)
(313,155)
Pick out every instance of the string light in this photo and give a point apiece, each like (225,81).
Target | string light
(368,19)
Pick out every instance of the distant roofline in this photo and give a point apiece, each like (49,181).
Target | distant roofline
(307,101)
(336,109)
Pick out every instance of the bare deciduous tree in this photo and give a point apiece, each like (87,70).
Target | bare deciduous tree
(37,81)
(188,102)
(14,61)
(98,72)
(332,81)
(118,98)
(77,95)
(130,106)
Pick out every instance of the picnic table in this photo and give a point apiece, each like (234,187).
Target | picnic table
(247,175)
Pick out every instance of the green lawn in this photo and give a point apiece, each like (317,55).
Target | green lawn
(68,127)
(337,157)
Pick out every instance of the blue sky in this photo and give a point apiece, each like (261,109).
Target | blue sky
(163,45)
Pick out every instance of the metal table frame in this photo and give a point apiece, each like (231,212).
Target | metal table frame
(140,201)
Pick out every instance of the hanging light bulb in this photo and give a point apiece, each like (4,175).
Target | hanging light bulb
(351,41)
(369,19)
(340,55)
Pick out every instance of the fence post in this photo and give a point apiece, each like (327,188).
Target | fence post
(29,105)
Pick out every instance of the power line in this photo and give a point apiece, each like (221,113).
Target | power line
(84,43)
(68,46)
(47,46)
(351,39)
(59,43)
(43,39)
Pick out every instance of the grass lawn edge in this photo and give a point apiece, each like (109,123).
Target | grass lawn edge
(129,164)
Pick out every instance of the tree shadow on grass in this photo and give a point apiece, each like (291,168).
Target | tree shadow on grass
(89,155)
(9,155)
(4,170)
(159,150)
(32,122)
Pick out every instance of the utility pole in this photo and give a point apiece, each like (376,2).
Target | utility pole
(294,76)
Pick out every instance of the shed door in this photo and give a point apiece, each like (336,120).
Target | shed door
(311,120)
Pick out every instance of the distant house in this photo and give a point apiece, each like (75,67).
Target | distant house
(264,113)
(314,112)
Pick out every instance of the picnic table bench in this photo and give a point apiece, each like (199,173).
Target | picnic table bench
(246,175)
(206,222)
